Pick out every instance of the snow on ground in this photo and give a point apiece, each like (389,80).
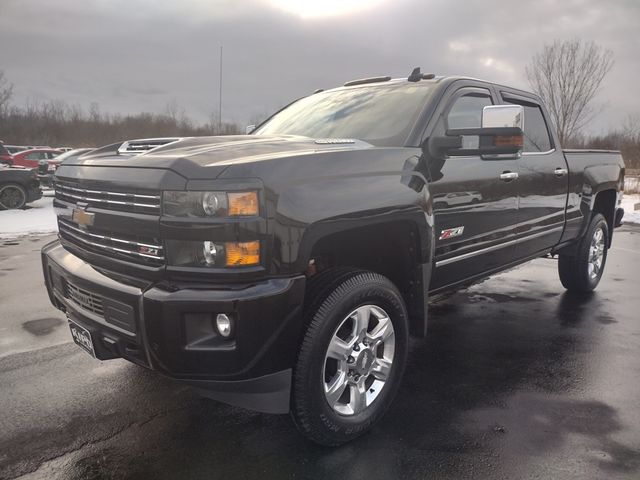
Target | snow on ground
(37,219)
(628,202)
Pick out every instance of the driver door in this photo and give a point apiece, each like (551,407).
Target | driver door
(474,234)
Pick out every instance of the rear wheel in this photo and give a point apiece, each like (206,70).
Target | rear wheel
(12,196)
(352,356)
(582,272)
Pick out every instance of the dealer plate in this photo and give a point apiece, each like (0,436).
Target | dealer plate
(82,337)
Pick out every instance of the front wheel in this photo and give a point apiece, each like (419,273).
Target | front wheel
(352,356)
(582,271)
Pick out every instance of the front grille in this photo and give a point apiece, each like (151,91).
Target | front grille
(122,201)
(145,251)
(84,299)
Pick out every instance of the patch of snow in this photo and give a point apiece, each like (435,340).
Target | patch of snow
(38,218)
(628,203)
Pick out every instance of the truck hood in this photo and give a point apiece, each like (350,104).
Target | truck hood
(208,157)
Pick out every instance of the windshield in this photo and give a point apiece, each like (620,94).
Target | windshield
(382,115)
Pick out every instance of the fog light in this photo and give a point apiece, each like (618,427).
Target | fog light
(223,324)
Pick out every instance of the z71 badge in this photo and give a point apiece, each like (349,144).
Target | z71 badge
(451,232)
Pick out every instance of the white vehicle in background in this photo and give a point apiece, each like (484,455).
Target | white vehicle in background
(456,198)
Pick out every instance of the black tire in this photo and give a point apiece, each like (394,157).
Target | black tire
(577,272)
(331,297)
(12,196)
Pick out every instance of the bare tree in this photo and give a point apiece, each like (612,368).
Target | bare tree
(567,75)
(6,91)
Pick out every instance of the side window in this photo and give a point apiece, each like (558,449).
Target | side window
(466,112)
(536,133)
(33,156)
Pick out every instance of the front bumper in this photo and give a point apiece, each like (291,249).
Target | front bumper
(46,179)
(169,327)
(34,193)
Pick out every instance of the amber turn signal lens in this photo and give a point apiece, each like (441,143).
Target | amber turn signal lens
(242,254)
(243,203)
(508,141)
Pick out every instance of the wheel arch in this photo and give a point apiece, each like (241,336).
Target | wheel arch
(398,248)
(605,203)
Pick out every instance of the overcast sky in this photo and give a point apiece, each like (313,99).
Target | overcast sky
(138,55)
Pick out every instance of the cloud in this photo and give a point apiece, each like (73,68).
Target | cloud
(133,55)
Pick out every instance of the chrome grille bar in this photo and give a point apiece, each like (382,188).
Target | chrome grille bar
(106,242)
(119,200)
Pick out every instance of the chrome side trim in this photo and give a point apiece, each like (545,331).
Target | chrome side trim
(493,248)
(539,153)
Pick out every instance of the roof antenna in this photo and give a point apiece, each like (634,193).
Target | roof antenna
(415,76)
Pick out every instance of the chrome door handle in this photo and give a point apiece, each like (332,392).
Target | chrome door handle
(508,176)
(560,172)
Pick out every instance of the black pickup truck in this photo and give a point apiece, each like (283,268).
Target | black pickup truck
(284,271)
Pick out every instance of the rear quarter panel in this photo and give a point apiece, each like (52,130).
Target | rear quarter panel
(590,172)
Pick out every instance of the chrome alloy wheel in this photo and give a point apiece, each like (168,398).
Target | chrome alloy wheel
(358,360)
(596,253)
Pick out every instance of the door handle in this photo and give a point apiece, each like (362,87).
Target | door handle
(508,176)
(560,172)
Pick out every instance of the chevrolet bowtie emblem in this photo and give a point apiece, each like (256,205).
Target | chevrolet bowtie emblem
(82,217)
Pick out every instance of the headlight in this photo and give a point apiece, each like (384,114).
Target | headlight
(213,254)
(210,204)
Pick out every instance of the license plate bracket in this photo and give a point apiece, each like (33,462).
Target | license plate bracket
(82,337)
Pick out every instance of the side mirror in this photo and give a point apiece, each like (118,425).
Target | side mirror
(249,129)
(499,137)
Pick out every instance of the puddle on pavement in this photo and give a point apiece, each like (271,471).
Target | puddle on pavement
(42,326)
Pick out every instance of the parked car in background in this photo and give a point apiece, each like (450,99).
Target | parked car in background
(47,168)
(13,149)
(5,155)
(31,158)
(18,186)
(456,198)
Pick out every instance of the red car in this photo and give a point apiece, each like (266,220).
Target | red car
(30,158)
(5,156)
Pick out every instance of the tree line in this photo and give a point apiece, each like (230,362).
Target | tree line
(566,74)
(57,123)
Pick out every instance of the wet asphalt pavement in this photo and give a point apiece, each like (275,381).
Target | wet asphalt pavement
(516,379)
